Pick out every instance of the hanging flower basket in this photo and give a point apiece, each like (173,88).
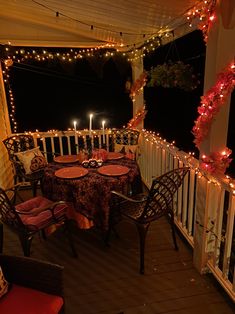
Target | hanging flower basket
(177,75)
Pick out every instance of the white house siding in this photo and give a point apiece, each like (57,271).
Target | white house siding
(6,171)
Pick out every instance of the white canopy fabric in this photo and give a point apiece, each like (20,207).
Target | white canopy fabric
(90,23)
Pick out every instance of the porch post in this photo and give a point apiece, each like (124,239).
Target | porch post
(219,54)
(137,69)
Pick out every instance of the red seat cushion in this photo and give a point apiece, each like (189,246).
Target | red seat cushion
(44,218)
(23,300)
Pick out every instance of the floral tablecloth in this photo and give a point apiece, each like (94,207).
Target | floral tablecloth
(91,194)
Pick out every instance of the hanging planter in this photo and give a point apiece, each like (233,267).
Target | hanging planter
(173,75)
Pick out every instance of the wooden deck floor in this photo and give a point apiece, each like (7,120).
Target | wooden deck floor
(106,280)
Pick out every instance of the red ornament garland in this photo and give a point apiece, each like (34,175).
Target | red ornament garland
(216,163)
(138,84)
(211,103)
(205,12)
(137,119)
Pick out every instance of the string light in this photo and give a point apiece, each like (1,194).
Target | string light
(216,178)
(217,162)
(204,11)
(137,119)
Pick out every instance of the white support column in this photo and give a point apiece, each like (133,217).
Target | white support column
(137,70)
(219,54)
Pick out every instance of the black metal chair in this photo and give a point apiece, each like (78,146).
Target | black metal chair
(31,217)
(125,141)
(144,209)
(21,143)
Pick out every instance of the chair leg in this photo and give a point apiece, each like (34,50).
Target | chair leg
(44,236)
(1,237)
(173,231)
(142,229)
(41,185)
(107,234)
(70,238)
(26,244)
(34,185)
(106,237)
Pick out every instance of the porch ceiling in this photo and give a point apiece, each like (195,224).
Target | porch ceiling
(89,23)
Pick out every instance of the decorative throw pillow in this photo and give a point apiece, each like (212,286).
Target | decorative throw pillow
(32,160)
(120,148)
(4,285)
(125,148)
(129,150)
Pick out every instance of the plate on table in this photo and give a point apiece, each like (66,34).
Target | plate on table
(113,170)
(114,155)
(71,172)
(66,159)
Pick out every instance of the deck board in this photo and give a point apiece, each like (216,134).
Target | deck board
(106,280)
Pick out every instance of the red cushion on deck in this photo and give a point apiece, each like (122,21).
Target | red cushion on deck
(23,300)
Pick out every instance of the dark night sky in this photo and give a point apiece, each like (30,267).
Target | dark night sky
(52,94)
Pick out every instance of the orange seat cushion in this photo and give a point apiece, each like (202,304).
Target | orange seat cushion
(23,300)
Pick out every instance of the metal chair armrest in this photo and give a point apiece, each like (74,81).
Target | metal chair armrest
(14,187)
(126,198)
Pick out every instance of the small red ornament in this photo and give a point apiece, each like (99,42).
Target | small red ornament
(8,62)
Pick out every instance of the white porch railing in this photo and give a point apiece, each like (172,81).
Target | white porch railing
(156,157)
(69,142)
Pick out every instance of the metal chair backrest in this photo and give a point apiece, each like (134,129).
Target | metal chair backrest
(160,198)
(8,213)
(18,143)
(125,136)
(15,144)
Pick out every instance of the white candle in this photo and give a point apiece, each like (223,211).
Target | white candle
(75,135)
(103,123)
(90,124)
(75,126)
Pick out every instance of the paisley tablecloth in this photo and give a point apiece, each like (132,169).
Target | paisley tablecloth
(91,194)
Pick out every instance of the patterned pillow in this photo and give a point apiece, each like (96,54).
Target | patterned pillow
(4,285)
(32,160)
(125,148)
(129,150)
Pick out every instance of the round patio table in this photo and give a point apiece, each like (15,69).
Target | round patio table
(90,194)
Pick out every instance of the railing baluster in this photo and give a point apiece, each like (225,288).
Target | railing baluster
(61,146)
(218,228)
(52,145)
(191,201)
(229,235)
(69,144)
